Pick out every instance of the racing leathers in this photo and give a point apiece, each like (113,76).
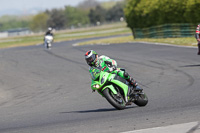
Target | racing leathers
(49,33)
(197,36)
(104,61)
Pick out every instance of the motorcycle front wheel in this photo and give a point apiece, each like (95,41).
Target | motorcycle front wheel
(116,101)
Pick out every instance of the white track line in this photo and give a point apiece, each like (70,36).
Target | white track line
(192,127)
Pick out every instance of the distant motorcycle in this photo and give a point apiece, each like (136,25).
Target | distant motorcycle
(48,39)
(116,89)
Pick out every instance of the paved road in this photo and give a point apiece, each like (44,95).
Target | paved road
(48,91)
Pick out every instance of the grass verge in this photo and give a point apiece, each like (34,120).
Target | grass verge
(189,41)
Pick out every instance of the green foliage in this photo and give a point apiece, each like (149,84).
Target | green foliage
(192,11)
(13,22)
(39,22)
(108,4)
(100,14)
(87,5)
(146,13)
(75,16)
(115,13)
(56,19)
(97,15)
(131,14)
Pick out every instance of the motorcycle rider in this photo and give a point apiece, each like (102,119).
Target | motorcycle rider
(93,60)
(197,36)
(49,31)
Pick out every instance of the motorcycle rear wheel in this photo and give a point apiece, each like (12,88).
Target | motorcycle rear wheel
(116,101)
(48,45)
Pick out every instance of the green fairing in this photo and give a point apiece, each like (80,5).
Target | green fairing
(97,75)
(111,88)
(122,85)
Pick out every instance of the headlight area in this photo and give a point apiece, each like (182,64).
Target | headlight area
(96,86)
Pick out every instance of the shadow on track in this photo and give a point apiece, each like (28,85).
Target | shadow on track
(198,65)
(97,110)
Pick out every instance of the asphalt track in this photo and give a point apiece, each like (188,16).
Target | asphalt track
(48,91)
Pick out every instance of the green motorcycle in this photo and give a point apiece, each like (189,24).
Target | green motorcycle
(115,89)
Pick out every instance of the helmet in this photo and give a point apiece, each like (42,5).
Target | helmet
(50,29)
(91,57)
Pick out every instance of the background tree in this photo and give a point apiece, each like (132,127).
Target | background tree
(115,13)
(97,15)
(13,22)
(75,16)
(172,11)
(192,11)
(56,19)
(142,13)
(131,15)
(39,22)
(88,4)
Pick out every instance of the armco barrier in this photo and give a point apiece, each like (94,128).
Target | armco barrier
(166,31)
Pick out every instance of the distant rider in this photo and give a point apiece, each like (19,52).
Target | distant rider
(94,61)
(197,36)
(49,32)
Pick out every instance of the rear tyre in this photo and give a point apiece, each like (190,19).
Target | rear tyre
(141,99)
(48,46)
(116,101)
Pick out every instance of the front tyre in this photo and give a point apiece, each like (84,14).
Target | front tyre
(116,101)
(141,99)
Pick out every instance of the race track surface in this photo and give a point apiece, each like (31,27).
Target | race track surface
(48,91)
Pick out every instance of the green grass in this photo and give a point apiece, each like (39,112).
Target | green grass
(189,41)
(20,41)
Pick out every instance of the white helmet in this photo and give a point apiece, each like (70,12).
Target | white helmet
(50,29)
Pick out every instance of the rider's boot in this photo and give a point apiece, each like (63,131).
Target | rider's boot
(134,84)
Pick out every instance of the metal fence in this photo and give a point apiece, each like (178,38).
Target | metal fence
(166,31)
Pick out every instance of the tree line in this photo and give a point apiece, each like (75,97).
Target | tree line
(89,12)
(147,13)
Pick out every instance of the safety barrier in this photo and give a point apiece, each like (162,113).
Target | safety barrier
(166,31)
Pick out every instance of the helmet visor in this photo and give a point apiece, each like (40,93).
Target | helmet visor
(91,59)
